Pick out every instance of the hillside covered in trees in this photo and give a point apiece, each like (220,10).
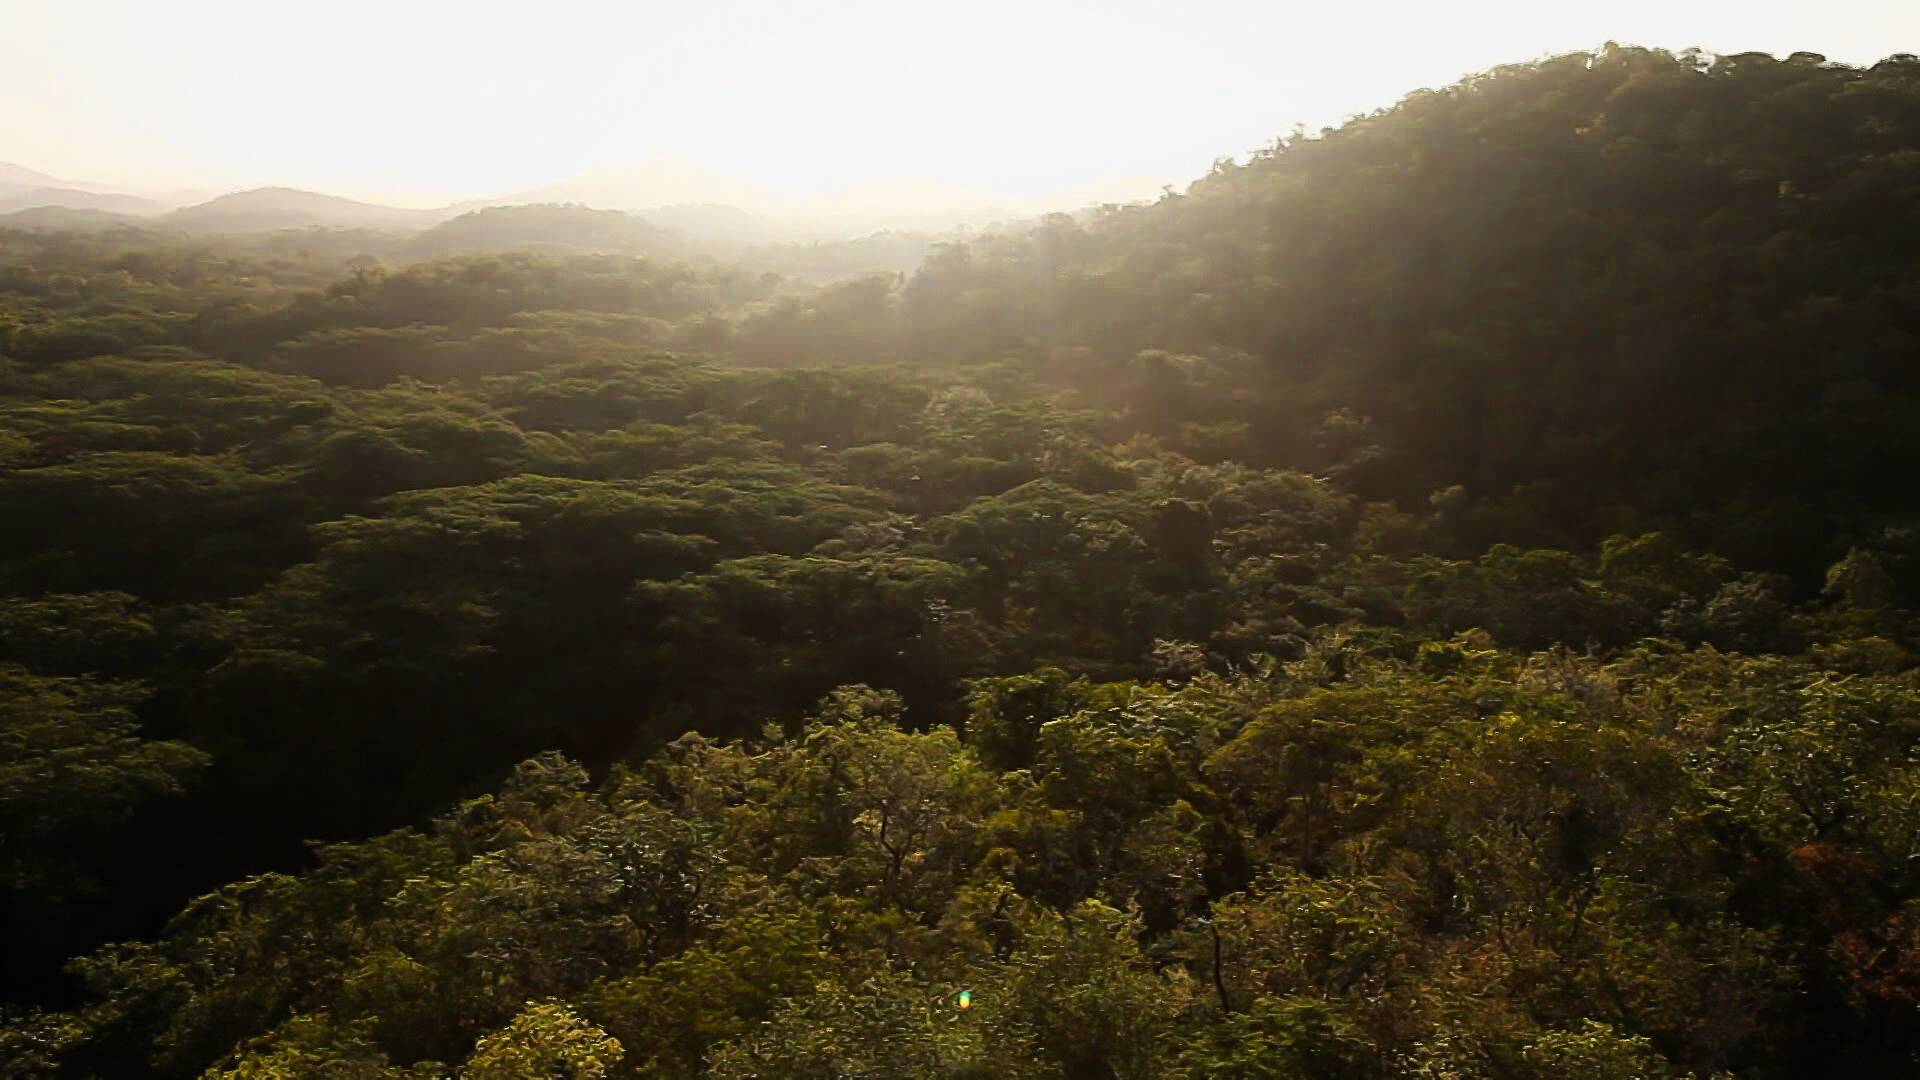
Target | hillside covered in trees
(1433,600)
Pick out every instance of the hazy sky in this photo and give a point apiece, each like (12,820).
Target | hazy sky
(422,100)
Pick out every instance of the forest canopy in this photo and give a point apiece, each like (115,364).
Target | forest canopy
(1434,599)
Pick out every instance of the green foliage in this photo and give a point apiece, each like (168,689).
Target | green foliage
(1277,1039)
(1415,874)
(1373,613)
(546,1040)
(890,1025)
(1076,998)
(72,770)
(313,1046)
(1005,714)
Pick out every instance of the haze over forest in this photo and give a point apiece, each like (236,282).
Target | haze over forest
(860,541)
(757,104)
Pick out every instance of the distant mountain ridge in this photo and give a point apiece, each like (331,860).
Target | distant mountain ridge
(708,209)
(21,178)
(651,183)
(24,188)
(723,210)
(290,208)
(76,199)
(67,217)
(558,228)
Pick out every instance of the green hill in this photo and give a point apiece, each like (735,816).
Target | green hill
(1599,292)
(268,209)
(551,228)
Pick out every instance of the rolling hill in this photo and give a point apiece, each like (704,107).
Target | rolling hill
(266,209)
(550,228)
(67,217)
(76,199)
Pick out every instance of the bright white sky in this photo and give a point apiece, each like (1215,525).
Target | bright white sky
(423,100)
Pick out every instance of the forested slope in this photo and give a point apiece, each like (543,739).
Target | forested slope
(1601,291)
(1433,600)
